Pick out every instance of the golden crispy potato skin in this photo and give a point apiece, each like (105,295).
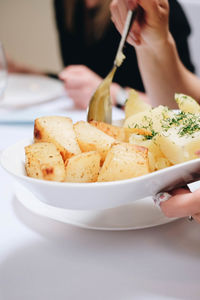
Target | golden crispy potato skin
(124,161)
(101,156)
(60,132)
(91,138)
(43,161)
(119,133)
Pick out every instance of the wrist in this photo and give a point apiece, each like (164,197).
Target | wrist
(162,54)
(156,47)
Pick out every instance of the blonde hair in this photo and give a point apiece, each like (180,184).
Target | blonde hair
(100,21)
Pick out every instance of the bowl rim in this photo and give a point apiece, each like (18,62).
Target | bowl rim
(85,184)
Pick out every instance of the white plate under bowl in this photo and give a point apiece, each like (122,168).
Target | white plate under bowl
(25,90)
(140,214)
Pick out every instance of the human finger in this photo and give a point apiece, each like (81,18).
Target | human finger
(81,99)
(73,69)
(123,13)
(72,81)
(181,203)
(119,10)
(115,15)
(78,77)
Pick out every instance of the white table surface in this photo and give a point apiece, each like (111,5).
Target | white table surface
(42,259)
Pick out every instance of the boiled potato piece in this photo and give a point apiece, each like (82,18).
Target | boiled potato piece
(59,131)
(150,120)
(44,161)
(83,167)
(162,162)
(124,161)
(91,138)
(180,141)
(179,149)
(119,133)
(157,159)
(135,104)
(187,104)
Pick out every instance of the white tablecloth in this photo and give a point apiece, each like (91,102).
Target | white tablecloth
(42,259)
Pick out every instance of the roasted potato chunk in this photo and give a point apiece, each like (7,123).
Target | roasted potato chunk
(157,159)
(119,133)
(91,138)
(44,161)
(59,131)
(83,167)
(124,161)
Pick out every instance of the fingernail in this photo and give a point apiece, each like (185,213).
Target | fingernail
(161,197)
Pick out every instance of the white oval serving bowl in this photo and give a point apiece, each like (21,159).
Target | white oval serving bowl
(99,195)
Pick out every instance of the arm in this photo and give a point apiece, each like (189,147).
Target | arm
(162,71)
(164,74)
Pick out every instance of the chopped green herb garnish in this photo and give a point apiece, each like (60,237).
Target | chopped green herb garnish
(187,123)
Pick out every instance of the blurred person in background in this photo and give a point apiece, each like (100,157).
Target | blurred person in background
(88,43)
(163,74)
